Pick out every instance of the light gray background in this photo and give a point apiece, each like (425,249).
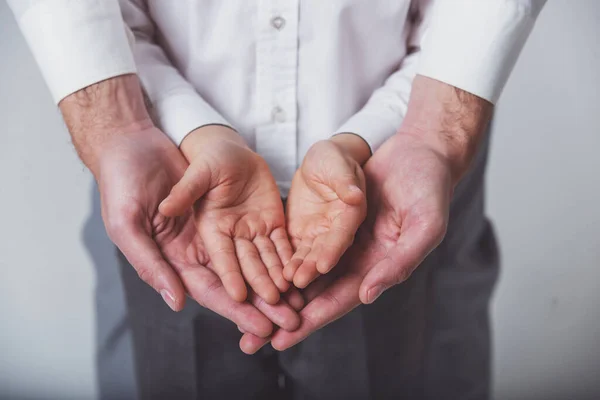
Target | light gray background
(544,197)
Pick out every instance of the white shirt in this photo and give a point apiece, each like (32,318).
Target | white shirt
(283,73)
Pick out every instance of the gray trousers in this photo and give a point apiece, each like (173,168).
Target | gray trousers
(428,338)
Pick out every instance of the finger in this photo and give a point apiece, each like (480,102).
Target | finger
(296,261)
(193,185)
(325,253)
(317,287)
(207,289)
(269,256)
(348,189)
(282,243)
(250,343)
(281,314)
(221,251)
(294,298)
(145,257)
(306,273)
(334,302)
(255,272)
(414,244)
(328,248)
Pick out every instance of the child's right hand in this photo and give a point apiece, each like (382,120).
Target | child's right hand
(238,212)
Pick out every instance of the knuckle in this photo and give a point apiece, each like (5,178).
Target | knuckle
(401,275)
(310,323)
(258,279)
(274,268)
(191,188)
(146,274)
(115,225)
(332,300)
(228,274)
(258,302)
(120,219)
(248,261)
(204,298)
(435,228)
(348,239)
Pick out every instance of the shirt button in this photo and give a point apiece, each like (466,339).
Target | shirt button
(278,114)
(278,23)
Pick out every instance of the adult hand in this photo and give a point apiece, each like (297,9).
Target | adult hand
(135,166)
(326,205)
(410,180)
(238,211)
(135,171)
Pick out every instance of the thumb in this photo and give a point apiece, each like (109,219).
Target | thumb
(348,188)
(414,244)
(143,254)
(193,185)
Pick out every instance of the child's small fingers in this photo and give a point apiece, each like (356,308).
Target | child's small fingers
(306,273)
(282,244)
(255,272)
(330,247)
(292,266)
(271,259)
(225,264)
(281,314)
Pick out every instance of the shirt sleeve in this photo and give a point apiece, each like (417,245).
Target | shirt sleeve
(384,112)
(470,44)
(474,45)
(75,43)
(177,107)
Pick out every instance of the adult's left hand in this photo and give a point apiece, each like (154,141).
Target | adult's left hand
(410,182)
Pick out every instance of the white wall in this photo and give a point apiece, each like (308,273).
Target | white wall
(46,280)
(544,197)
(544,194)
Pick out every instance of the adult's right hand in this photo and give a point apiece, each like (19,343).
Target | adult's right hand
(136,166)
(135,172)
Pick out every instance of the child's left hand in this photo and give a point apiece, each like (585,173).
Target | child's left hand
(326,205)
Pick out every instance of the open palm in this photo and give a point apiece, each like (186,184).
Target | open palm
(409,195)
(168,253)
(239,215)
(326,205)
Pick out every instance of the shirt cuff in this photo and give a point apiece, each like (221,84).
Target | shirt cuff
(374,129)
(474,44)
(77,43)
(179,114)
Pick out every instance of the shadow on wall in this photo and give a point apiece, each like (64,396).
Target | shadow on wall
(114,352)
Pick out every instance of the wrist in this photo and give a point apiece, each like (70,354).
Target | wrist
(197,140)
(447,119)
(353,145)
(102,112)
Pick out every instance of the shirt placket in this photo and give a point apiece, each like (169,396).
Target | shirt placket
(276,81)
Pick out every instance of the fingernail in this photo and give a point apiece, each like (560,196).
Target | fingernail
(168,298)
(354,188)
(374,293)
(248,349)
(161,206)
(241,330)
